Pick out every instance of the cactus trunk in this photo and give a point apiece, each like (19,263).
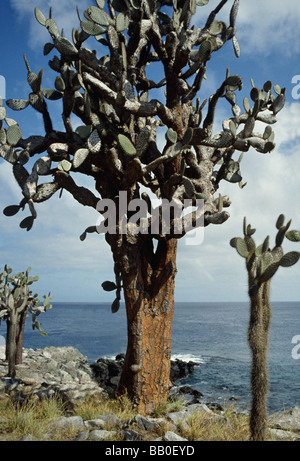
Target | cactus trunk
(258,337)
(11,347)
(19,337)
(149,297)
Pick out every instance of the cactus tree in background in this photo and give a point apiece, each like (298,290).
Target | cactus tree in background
(262,264)
(16,302)
(114,95)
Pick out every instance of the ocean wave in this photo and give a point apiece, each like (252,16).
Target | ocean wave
(184,357)
(188,358)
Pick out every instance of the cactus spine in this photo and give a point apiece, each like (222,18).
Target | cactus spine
(262,264)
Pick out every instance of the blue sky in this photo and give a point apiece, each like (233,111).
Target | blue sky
(269,37)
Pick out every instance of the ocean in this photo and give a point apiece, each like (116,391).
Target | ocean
(214,335)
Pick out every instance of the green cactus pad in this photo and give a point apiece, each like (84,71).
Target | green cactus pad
(280,221)
(233,13)
(269,272)
(293,235)
(277,89)
(17,104)
(278,104)
(27,223)
(289,259)
(268,132)
(202,2)
(249,126)
(40,17)
(233,177)
(109,286)
(59,84)
(48,47)
(126,145)
(189,187)
(233,242)
(205,50)
(52,28)
(171,136)
(97,15)
(88,230)
(11,210)
(250,243)
(2,113)
(91,28)
(2,136)
(65,47)
(84,131)
(241,247)
(79,157)
(236,46)
(247,105)
(267,86)
(265,245)
(115,306)
(52,95)
(232,127)
(254,94)
(122,22)
(13,134)
(94,142)
(65,165)
(187,137)
(234,81)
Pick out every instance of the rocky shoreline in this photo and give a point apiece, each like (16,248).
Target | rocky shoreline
(65,372)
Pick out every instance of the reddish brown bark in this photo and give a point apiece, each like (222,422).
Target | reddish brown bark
(149,297)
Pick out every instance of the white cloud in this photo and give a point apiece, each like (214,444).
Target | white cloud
(267,26)
(63,12)
(214,271)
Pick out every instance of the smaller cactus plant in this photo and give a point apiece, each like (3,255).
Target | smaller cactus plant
(262,263)
(16,301)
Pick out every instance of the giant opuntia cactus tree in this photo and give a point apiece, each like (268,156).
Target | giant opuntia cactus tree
(262,264)
(17,301)
(117,144)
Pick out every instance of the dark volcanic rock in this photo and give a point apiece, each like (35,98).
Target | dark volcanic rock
(107,372)
(181,369)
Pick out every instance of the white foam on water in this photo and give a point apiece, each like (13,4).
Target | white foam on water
(188,358)
(184,357)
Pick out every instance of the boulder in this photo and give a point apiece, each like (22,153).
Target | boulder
(64,423)
(63,371)
(173,437)
(101,435)
(286,420)
(148,423)
(107,372)
(180,369)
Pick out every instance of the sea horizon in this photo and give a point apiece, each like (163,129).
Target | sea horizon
(211,334)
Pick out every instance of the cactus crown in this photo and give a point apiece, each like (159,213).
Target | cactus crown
(15,295)
(261,262)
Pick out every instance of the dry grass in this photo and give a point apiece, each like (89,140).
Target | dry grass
(33,417)
(231,427)
(30,417)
